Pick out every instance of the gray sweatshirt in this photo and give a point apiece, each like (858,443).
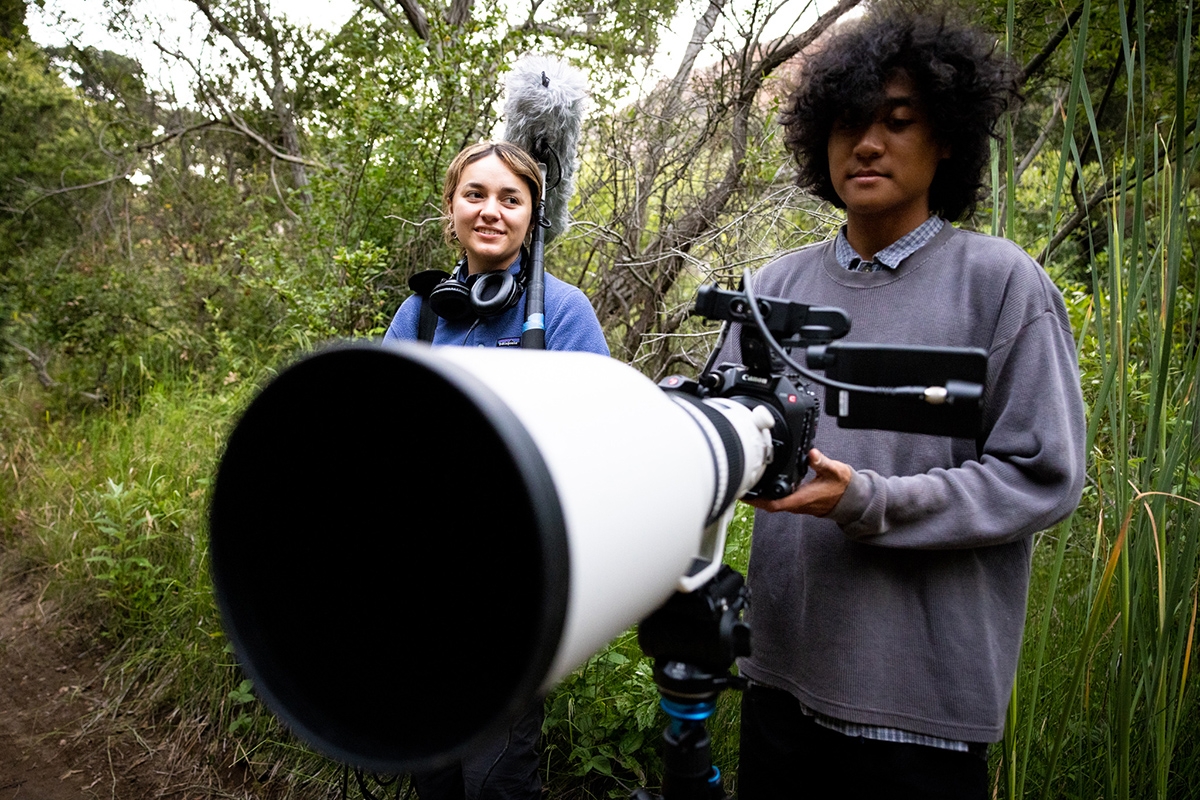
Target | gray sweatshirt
(905,606)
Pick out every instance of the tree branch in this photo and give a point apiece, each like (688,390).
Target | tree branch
(39,364)
(1043,136)
(1108,189)
(231,35)
(459,12)
(279,193)
(416,18)
(791,48)
(141,148)
(1082,212)
(250,133)
(77,188)
(575,35)
(239,124)
(1039,60)
(669,249)
(699,218)
(387,13)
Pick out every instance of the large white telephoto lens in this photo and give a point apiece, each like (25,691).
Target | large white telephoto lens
(410,545)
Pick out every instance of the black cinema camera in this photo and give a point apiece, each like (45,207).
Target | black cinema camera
(915,389)
(758,381)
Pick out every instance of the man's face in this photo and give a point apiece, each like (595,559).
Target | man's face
(882,168)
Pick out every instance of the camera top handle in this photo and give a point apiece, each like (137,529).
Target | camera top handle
(790,323)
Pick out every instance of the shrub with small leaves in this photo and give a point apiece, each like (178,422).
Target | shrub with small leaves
(129,520)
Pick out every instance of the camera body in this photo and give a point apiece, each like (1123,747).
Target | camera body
(793,407)
(757,381)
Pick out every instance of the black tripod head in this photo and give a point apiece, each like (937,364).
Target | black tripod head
(694,639)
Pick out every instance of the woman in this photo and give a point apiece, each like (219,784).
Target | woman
(490,194)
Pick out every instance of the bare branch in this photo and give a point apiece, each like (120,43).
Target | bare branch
(792,47)
(217,124)
(1043,136)
(273,85)
(279,193)
(173,135)
(684,130)
(1082,212)
(700,33)
(1109,189)
(39,364)
(78,188)
(700,217)
(577,35)
(382,8)
(1039,60)
(250,133)
(416,18)
(231,35)
(238,123)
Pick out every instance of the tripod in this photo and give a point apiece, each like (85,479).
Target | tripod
(694,640)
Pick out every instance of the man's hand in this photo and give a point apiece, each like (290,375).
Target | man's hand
(818,495)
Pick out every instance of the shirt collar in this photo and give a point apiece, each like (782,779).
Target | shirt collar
(897,251)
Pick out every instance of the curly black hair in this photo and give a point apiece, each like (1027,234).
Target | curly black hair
(964,80)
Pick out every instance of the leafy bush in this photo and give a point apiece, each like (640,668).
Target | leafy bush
(603,723)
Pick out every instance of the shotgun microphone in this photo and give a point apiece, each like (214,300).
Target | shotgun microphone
(544,115)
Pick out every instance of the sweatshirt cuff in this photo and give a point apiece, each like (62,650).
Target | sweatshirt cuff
(854,501)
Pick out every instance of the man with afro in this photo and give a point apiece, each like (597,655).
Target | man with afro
(888,593)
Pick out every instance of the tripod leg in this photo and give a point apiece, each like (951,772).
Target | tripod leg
(689,773)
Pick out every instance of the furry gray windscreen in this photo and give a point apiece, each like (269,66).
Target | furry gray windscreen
(543,113)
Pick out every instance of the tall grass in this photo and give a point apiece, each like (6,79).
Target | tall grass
(1105,704)
(105,508)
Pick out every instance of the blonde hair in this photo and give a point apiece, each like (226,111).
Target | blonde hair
(514,157)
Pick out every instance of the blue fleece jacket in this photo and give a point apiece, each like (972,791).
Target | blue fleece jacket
(571,322)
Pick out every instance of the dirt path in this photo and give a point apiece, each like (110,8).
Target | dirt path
(46,690)
(53,744)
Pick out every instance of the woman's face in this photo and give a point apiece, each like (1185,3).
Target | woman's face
(491,211)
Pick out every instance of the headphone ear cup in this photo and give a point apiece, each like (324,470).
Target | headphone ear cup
(494,293)
(451,300)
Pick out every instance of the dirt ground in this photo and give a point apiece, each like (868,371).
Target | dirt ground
(54,743)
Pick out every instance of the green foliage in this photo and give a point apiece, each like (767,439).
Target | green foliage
(44,147)
(12,20)
(602,734)
(127,524)
(603,724)
(241,695)
(339,301)
(115,502)
(1105,704)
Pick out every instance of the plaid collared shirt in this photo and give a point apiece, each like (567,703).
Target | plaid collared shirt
(890,256)
(887,258)
(882,734)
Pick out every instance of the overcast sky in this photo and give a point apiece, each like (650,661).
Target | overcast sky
(91,16)
(85,21)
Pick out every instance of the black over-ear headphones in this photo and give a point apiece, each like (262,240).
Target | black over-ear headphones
(483,295)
